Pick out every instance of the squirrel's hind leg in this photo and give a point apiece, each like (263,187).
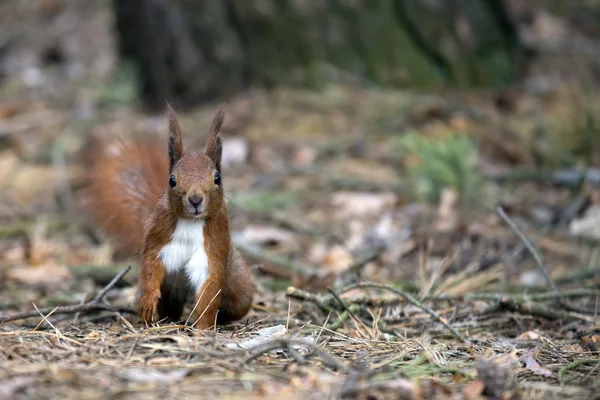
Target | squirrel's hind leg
(238,292)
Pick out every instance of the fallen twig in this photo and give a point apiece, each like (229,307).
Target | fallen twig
(565,178)
(561,372)
(325,305)
(410,299)
(275,344)
(578,275)
(561,294)
(327,302)
(334,326)
(529,246)
(541,311)
(93,305)
(344,306)
(322,302)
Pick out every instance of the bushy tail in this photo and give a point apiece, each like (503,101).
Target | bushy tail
(127,176)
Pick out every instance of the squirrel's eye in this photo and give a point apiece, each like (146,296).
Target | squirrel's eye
(172,181)
(217,179)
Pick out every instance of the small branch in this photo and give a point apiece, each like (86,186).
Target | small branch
(112,283)
(303,295)
(577,363)
(414,302)
(578,275)
(324,303)
(561,294)
(327,303)
(540,311)
(345,307)
(93,305)
(563,178)
(101,275)
(275,344)
(295,354)
(334,326)
(529,246)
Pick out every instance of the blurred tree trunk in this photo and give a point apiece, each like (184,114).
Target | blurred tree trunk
(190,51)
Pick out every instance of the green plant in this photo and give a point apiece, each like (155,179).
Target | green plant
(441,163)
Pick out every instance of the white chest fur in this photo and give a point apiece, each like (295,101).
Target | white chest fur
(185,253)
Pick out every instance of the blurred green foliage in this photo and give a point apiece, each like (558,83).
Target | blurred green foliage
(121,89)
(266,200)
(441,163)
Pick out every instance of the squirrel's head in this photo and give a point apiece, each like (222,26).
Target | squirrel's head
(194,189)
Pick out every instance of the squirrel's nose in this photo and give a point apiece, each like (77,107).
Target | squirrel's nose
(195,200)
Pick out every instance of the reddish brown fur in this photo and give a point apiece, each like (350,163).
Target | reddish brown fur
(119,206)
(127,178)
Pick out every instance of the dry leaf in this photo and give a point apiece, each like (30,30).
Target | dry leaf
(266,235)
(590,339)
(337,259)
(14,253)
(348,204)
(304,157)
(474,390)
(9,110)
(153,375)
(587,226)
(9,387)
(35,184)
(447,213)
(591,343)
(510,359)
(49,274)
(499,379)
(532,279)
(356,237)
(459,122)
(157,361)
(529,335)
(235,151)
(269,389)
(262,335)
(314,282)
(307,380)
(182,341)
(352,294)
(316,253)
(102,255)
(532,365)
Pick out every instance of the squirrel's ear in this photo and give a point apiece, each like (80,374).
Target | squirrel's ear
(175,144)
(214,145)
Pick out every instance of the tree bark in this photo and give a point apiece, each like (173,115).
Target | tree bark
(192,51)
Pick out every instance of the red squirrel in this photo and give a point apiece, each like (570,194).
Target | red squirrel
(171,211)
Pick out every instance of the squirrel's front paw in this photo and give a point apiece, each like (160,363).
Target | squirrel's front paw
(149,309)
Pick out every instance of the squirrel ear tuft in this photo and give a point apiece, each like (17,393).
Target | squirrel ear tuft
(214,145)
(175,143)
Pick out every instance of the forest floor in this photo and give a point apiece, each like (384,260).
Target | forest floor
(464,309)
(384,267)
